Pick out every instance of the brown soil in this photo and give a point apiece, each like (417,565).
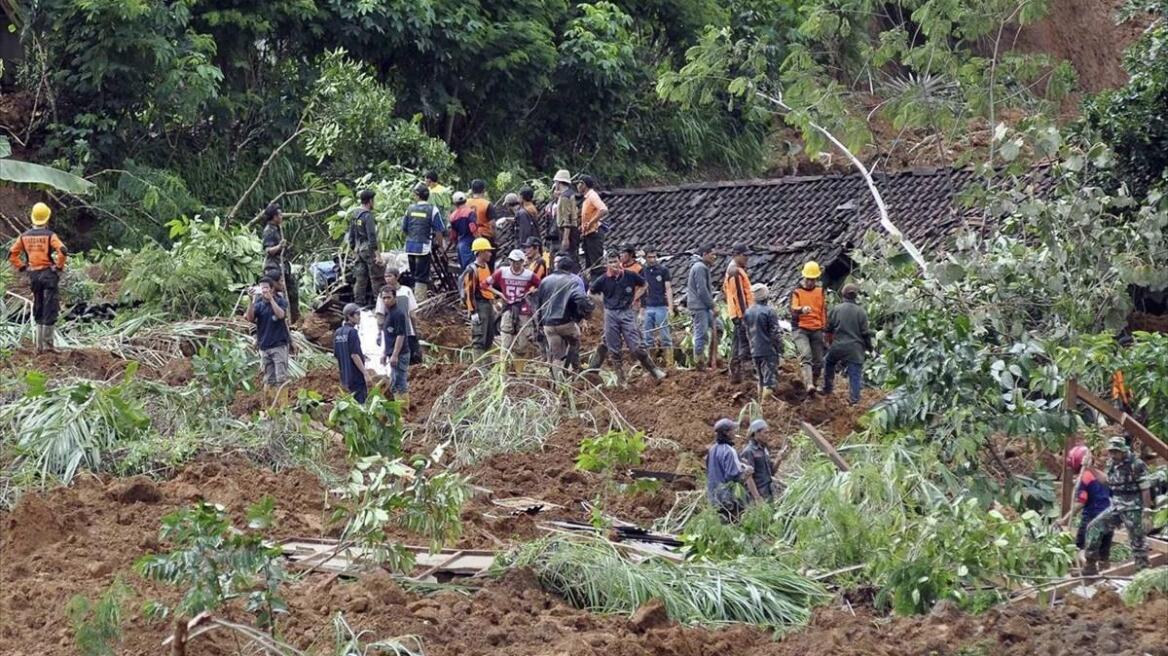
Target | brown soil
(1151,323)
(318,328)
(323,381)
(78,540)
(93,364)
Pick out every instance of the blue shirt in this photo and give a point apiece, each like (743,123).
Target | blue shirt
(721,468)
(346,343)
(270,331)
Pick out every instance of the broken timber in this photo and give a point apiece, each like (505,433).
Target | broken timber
(1076,393)
(824,445)
(328,556)
(1158,556)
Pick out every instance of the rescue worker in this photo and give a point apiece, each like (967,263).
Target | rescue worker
(423,228)
(350,357)
(368,269)
(592,214)
(538,260)
(485,215)
(478,297)
(439,193)
(407,302)
(526,225)
(756,454)
(1091,497)
(278,259)
(1127,476)
(739,298)
(396,356)
(269,312)
(628,260)
(699,300)
(463,229)
(567,213)
(847,326)
(765,338)
(809,318)
(562,305)
(41,253)
(658,301)
(513,285)
(724,472)
(620,290)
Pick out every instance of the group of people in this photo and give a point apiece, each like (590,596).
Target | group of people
(729,472)
(1107,498)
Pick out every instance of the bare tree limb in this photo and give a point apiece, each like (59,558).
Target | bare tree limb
(263,169)
(891,228)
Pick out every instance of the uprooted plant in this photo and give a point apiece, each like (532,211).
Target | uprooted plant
(381,493)
(370,429)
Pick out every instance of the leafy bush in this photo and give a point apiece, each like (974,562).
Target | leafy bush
(97,626)
(226,365)
(201,274)
(382,492)
(614,450)
(216,562)
(370,429)
(1144,584)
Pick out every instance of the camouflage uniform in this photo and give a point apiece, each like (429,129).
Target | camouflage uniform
(1128,480)
(368,270)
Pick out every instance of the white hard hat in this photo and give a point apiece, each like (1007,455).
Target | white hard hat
(458,198)
(563,176)
(517,256)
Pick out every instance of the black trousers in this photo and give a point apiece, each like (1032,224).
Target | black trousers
(420,267)
(46,301)
(594,253)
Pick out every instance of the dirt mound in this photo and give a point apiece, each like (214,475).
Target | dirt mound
(325,381)
(1152,323)
(94,364)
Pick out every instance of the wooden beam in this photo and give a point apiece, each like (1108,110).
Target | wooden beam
(824,445)
(1123,419)
(1067,488)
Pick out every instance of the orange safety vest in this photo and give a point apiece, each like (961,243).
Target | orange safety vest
(482,208)
(39,248)
(635,267)
(478,286)
(739,297)
(816,319)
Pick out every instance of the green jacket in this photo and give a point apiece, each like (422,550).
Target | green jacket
(848,323)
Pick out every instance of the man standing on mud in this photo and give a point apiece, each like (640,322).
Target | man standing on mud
(350,357)
(699,299)
(268,311)
(620,289)
(424,229)
(367,267)
(278,259)
(739,297)
(766,341)
(567,213)
(847,323)
(41,253)
(809,317)
(478,298)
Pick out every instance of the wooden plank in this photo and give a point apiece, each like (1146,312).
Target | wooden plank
(1125,421)
(824,445)
(323,555)
(1156,545)
(1121,570)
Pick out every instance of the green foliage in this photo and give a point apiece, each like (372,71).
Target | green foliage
(1144,584)
(202,271)
(708,536)
(592,574)
(382,492)
(58,431)
(370,429)
(35,174)
(215,562)
(226,366)
(616,449)
(97,626)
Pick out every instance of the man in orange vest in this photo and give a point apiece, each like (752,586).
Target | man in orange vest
(41,253)
(739,298)
(485,215)
(809,315)
(479,299)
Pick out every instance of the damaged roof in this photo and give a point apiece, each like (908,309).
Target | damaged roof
(788,221)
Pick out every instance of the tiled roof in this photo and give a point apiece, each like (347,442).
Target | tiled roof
(787,221)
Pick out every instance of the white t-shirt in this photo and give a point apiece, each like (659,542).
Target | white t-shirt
(411,306)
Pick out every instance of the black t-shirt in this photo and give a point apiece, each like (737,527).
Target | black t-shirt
(618,292)
(346,343)
(655,276)
(270,331)
(396,325)
(272,236)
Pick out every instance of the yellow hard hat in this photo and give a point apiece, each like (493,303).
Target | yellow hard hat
(812,270)
(481,244)
(41,214)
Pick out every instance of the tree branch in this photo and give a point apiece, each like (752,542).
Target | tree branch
(260,174)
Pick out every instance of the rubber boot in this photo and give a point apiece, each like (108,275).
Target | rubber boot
(700,362)
(766,393)
(735,372)
(404,400)
(38,338)
(669,362)
(421,289)
(650,368)
(520,365)
(49,339)
(808,381)
(1091,568)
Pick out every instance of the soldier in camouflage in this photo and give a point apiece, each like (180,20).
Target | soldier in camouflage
(1127,476)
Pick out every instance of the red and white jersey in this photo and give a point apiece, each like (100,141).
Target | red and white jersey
(515,285)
